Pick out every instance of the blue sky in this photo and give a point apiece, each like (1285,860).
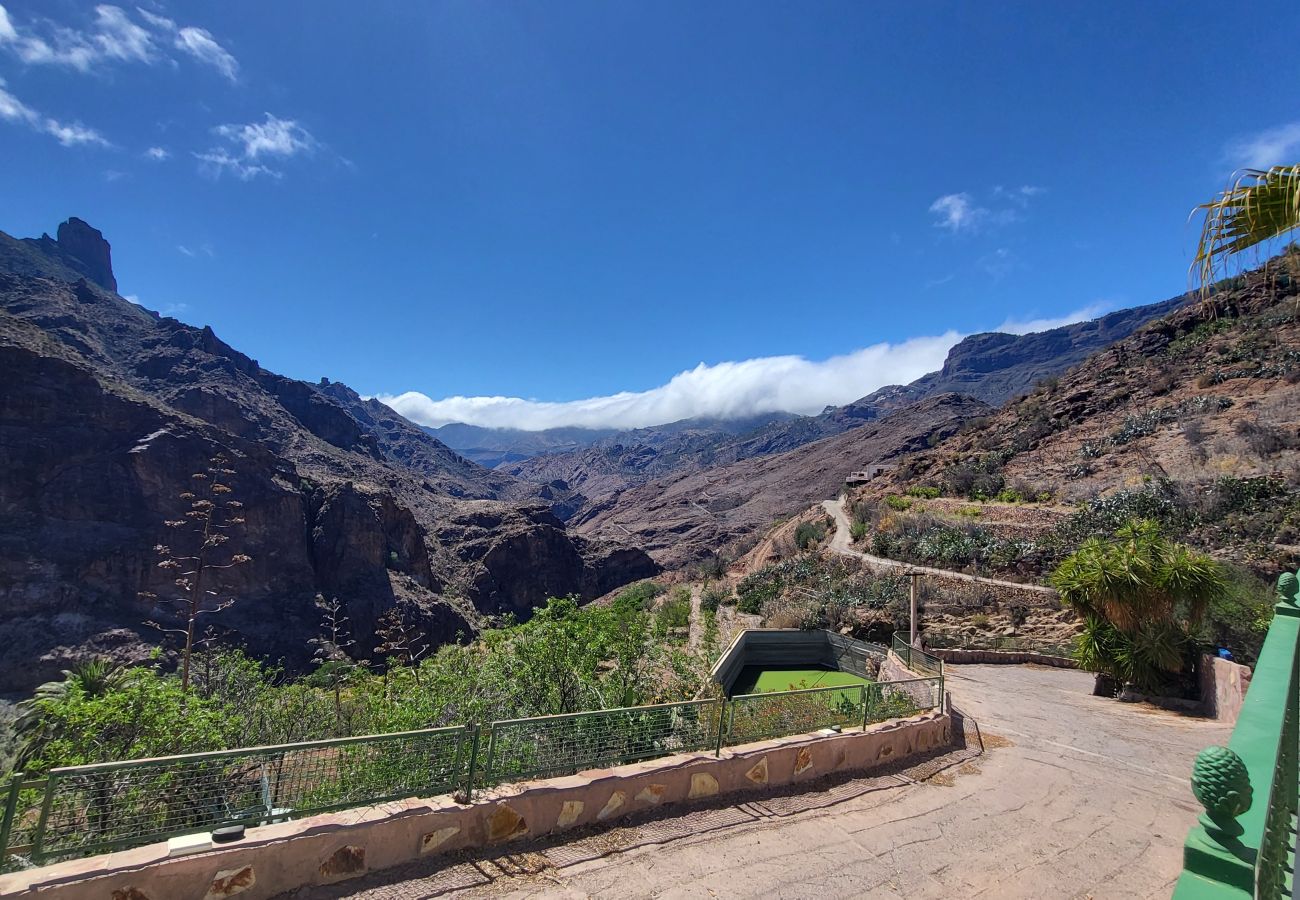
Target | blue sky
(581,203)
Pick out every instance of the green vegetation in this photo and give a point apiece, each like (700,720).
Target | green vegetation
(566,658)
(815,592)
(713,595)
(923,492)
(808,534)
(897,502)
(675,612)
(1141,597)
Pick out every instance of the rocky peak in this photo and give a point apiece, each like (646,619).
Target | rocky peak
(84,249)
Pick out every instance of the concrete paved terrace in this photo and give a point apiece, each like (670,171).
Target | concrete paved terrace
(1058,794)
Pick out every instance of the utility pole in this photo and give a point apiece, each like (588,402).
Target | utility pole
(911,577)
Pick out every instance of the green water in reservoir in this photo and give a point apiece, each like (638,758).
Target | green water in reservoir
(760,680)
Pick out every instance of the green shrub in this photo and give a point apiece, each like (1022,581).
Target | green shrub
(897,502)
(713,596)
(859,530)
(923,492)
(809,533)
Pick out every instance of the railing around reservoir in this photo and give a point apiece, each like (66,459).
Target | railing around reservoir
(755,717)
(1242,843)
(915,658)
(84,810)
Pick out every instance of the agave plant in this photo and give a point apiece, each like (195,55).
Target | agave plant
(1261,204)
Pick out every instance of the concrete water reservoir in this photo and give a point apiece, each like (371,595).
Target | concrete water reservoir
(777,659)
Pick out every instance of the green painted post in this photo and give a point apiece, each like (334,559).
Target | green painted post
(38,838)
(473,762)
(1238,848)
(7,822)
(722,715)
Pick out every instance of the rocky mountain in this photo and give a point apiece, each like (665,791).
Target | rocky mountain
(1194,417)
(991,367)
(688,515)
(107,409)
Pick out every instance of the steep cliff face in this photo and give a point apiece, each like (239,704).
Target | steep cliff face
(106,410)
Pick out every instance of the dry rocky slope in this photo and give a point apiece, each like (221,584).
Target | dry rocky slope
(1199,410)
(687,516)
(106,409)
(992,367)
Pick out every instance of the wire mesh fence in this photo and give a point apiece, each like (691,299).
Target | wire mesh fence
(83,810)
(754,717)
(916,659)
(561,745)
(899,699)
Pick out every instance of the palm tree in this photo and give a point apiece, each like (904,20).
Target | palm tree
(96,677)
(1139,595)
(1259,206)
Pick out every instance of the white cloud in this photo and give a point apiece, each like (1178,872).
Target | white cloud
(120,38)
(68,134)
(158,154)
(186,251)
(1278,146)
(113,36)
(960,213)
(956,212)
(274,137)
(726,390)
(200,44)
(1029,326)
(252,144)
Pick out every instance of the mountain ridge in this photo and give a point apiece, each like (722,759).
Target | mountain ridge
(108,408)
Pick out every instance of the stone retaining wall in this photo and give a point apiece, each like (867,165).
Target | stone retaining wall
(338,846)
(958,656)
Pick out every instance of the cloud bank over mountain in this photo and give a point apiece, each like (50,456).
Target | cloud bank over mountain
(723,390)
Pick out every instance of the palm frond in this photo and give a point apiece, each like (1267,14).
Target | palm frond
(1260,205)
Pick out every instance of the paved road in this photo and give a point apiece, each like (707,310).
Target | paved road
(1076,796)
(842,543)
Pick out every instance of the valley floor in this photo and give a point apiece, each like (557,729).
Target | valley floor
(1073,796)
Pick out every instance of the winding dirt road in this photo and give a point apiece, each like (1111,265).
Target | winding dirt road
(842,543)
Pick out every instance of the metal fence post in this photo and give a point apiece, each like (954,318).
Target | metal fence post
(7,817)
(722,715)
(473,762)
(38,838)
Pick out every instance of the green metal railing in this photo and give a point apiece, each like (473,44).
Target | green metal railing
(1243,843)
(754,717)
(544,746)
(915,658)
(84,810)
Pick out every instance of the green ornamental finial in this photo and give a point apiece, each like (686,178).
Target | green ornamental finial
(1287,587)
(1222,784)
